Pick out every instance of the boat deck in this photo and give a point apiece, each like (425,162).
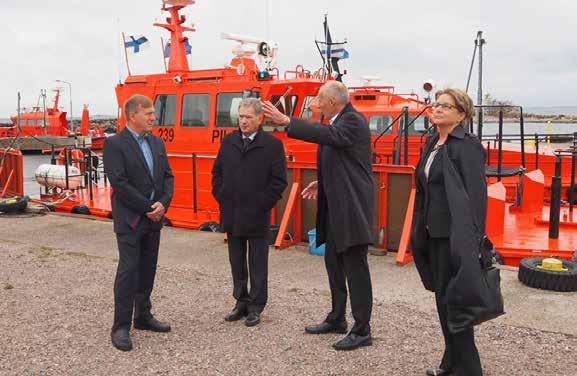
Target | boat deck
(527,235)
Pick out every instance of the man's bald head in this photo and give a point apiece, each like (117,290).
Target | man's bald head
(333,96)
(335,90)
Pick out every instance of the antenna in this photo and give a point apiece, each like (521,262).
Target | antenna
(266,20)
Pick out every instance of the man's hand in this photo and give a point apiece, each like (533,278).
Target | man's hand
(277,117)
(311,191)
(157,212)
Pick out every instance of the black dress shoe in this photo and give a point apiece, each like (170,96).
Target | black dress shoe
(121,339)
(437,372)
(325,327)
(353,341)
(153,325)
(236,314)
(252,319)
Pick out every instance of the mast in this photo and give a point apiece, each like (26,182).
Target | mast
(330,60)
(177,61)
(480,42)
(56,99)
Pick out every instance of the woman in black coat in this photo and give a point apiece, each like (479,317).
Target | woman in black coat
(448,223)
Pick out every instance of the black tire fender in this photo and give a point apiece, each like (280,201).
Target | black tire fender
(80,209)
(532,276)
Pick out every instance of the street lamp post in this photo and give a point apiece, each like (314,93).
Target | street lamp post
(71,126)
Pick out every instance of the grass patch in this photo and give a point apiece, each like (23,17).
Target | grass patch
(81,254)
(45,251)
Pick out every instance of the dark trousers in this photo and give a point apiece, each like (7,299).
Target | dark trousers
(461,355)
(255,300)
(138,255)
(349,267)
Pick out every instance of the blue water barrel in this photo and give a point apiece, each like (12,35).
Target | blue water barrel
(313,249)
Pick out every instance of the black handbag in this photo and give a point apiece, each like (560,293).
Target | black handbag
(461,318)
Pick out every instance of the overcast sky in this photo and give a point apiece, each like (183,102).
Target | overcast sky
(530,56)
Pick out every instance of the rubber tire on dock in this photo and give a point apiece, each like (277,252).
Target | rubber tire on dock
(209,227)
(80,209)
(13,204)
(545,279)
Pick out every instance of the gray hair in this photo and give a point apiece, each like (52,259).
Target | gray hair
(336,90)
(251,102)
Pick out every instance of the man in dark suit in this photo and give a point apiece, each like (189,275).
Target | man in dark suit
(344,207)
(137,167)
(248,178)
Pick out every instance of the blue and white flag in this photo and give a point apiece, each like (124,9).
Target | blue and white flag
(335,53)
(187,48)
(136,43)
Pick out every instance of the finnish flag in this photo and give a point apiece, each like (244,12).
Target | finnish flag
(136,43)
(187,48)
(335,53)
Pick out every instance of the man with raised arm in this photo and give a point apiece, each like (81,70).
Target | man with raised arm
(344,192)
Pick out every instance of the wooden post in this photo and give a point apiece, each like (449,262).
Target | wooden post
(280,243)
(404,255)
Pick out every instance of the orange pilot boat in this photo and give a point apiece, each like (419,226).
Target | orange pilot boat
(41,128)
(196,108)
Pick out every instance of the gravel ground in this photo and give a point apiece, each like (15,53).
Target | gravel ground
(56,311)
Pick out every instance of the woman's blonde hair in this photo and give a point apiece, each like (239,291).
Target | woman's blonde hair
(463,102)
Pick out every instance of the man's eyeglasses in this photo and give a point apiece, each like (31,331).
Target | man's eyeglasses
(445,106)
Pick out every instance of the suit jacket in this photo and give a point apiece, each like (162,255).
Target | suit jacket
(457,173)
(345,190)
(247,183)
(132,183)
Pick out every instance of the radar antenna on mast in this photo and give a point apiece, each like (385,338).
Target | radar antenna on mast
(266,50)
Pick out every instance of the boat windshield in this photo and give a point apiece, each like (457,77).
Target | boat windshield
(306,112)
(195,110)
(378,123)
(227,109)
(165,110)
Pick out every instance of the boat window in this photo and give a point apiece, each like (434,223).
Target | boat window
(227,109)
(195,110)
(306,112)
(286,104)
(165,109)
(378,123)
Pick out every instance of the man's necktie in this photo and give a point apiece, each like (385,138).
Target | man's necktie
(246,142)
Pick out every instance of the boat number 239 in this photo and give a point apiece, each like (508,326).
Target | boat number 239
(166,134)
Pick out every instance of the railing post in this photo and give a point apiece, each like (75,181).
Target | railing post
(555,208)
(522,126)
(536,151)
(480,123)
(572,181)
(500,154)
(89,169)
(406,135)
(52,155)
(66,166)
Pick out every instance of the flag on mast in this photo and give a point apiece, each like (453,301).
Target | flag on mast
(136,43)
